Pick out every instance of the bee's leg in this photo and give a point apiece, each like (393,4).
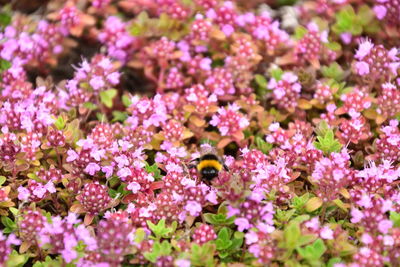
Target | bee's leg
(226,168)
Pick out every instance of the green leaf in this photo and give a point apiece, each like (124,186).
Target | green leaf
(160,230)
(292,234)
(140,235)
(2,179)
(106,97)
(49,262)
(333,261)
(276,73)
(210,218)
(60,123)
(163,249)
(237,241)
(305,239)
(346,21)
(153,169)
(136,29)
(262,145)
(122,190)
(14,211)
(202,255)
(299,32)
(112,193)
(301,218)
(365,15)
(298,202)
(5,19)
(223,241)
(261,88)
(187,2)
(327,143)
(4,65)
(113,181)
(218,219)
(395,218)
(119,116)
(90,105)
(101,117)
(7,222)
(126,101)
(335,46)
(260,80)
(314,251)
(286,2)
(284,215)
(333,71)
(16,260)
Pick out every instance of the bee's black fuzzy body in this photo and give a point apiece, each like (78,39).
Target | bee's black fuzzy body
(209,165)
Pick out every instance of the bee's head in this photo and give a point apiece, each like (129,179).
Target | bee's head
(209,173)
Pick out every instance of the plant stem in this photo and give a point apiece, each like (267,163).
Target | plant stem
(323,212)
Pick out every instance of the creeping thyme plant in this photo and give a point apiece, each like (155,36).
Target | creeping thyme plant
(105,104)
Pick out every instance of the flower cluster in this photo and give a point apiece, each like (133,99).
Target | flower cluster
(229,120)
(286,91)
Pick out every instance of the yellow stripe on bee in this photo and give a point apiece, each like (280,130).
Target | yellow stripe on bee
(209,163)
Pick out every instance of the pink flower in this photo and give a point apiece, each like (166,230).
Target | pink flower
(346,37)
(124,172)
(362,68)
(97,82)
(212,197)
(12,240)
(131,208)
(326,233)
(380,11)
(365,201)
(232,211)
(39,191)
(97,154)
(84,234)
(364,49)
(69,255)
(366,239)
(108,170)
(228,29)
(50,187)
(182,263)
(92,168)
(384,226)
(242,224)
(255,250)
(72,155)
(23,193)
(313,224)
(251,237)
(229,120)
(193,207)
(173,167)
(388,240)
(356,215)
(205,63)
(134,187)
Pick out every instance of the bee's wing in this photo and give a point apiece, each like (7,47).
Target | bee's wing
(221,159)
(225,167)
(193,163)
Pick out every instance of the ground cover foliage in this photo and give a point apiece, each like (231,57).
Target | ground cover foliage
(104,104)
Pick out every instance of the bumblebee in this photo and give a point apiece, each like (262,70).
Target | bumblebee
(209,165)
